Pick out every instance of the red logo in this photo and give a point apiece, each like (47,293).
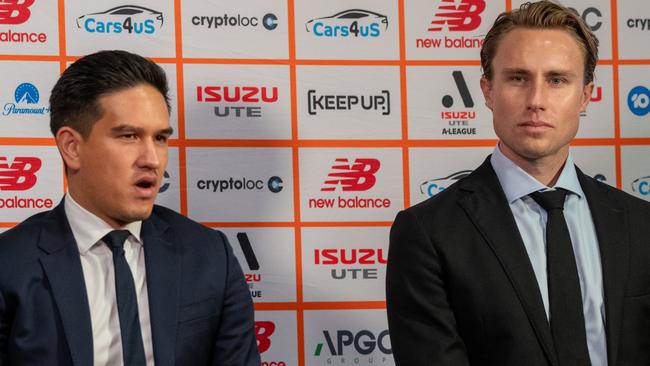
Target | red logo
(359,176)
(463,17)
(20,175)
(350,256)
(15,11)
(263,332)
(234,94)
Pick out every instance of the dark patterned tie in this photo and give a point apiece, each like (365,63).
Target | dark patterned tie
(127,304)
(565,298)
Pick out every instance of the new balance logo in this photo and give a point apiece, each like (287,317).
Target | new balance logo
(359,176)
(263,332)
(20,174)
(466,16)
(15,11)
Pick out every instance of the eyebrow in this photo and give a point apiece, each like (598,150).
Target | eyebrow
(130,128)
(551,73)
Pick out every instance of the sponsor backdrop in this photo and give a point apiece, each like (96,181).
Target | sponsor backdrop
(303,127)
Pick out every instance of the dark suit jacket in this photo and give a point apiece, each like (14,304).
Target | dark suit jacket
(200,306)
(461,289)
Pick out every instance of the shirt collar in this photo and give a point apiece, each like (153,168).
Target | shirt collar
(516,183)
(88,229)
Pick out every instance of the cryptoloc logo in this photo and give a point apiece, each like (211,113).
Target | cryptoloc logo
(356,177)
(317,102)
(25,96)
(165,185)
(15,11)
(458,119)
(591,16)
(273,184)
(361,347)
(638,23)
(20,175)
(448,16)
(248,100)
(355,23)
(129,19)
(638,100)
(269,21)
(355,263)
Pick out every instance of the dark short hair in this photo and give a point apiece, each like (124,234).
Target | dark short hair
(74,101)
(541,15)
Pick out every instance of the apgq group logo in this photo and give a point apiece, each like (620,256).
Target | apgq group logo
(25,96)
(349,23)
(638,100)
(131,19)
(355,347)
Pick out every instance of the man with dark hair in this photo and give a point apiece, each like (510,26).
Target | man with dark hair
(107,277)
(526,261)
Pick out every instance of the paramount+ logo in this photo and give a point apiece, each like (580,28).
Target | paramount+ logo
(355,264)
(17,175)
(362,347)
(237,101)
(263,332)
(273,184)
(452,16)
(356,177)
(17,12)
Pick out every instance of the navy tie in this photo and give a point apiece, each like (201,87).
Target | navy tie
(565,298)
(127,304)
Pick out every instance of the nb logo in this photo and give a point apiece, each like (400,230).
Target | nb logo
(463,17)
(15,11)
(359,176)
(263,332)
(20,174)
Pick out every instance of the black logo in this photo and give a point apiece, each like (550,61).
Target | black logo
(448,100)
(165,186)
(270,21)
(249,254)
(345,102)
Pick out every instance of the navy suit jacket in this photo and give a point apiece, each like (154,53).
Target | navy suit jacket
(200,306)
(460,289)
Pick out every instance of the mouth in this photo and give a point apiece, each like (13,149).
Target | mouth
(536,125)
(146,187)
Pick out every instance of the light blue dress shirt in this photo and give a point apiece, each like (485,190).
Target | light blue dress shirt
(531,222)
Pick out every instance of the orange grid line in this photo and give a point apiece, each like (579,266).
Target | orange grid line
(617,109)
(346,223)
(62,66)
(404,104)
(247,224)
(180,95)
(295,156)
(277,306)
(344,305)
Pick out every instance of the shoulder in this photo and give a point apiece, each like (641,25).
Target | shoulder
(22,238)
(188,232)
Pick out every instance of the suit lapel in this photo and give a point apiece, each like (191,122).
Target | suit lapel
(609,220)
(62,266)
(487,207)
(163,272)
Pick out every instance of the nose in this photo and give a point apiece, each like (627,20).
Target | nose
(149,155)
(536,96)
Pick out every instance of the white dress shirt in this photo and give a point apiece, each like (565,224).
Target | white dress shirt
(531,221)
(99,277)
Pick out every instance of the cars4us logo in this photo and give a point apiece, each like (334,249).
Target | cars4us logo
(454,16)
(349,23)
(17,175)
(434,186)
(356,177)
(131,19)
(638,100)
(26,97)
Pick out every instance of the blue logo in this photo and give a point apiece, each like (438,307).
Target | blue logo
(638,100)
(349,23)
(432,187)
(24,95)
(275,184)
(270,21)
(129,19)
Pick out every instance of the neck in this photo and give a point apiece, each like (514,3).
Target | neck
(546,169)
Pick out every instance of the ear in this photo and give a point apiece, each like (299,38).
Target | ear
(69,142)
(586,96)
(486,87)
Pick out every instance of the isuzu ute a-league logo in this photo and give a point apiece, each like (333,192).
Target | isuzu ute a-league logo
(17,12)
(452,16)
(17,175)
(252,276)
(237,101)
(351,263)
(457,120)
(356,177)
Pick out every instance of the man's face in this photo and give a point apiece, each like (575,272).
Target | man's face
(536,93)
(123,159)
